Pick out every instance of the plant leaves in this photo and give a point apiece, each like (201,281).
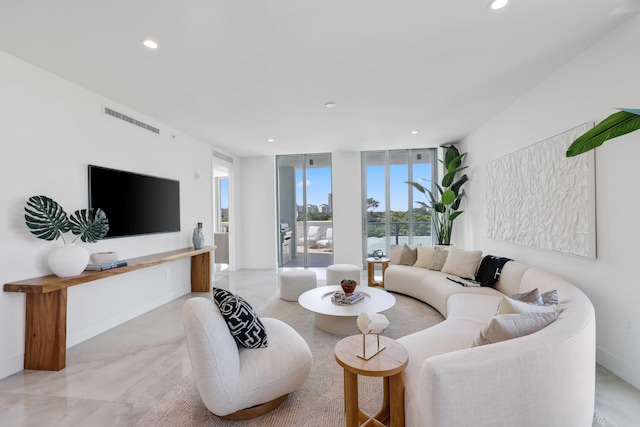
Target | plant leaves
(448,197)
(450,153)
(417,186)
(91,225)
(456,203)
(455,187)
(455,215)
(45,218)
(615,125)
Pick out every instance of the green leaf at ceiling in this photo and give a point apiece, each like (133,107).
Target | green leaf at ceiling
(615,125)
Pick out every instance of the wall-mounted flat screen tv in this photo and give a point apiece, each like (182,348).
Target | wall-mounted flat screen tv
(134,203)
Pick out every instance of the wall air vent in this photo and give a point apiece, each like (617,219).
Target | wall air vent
(222,156)
(131,120)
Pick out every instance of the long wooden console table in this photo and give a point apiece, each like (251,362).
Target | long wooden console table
(45,338)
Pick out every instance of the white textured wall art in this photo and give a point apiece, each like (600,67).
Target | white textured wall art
(538,197)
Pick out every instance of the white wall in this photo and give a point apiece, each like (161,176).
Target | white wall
(256,229)
(587,89)
(51,131)
(347,207)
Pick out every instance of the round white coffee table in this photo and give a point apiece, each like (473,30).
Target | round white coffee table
(341,319)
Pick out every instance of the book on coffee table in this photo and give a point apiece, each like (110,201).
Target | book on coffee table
(341,299)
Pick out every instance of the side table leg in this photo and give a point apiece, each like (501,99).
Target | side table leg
(351,399)
(396,396)
(45,335)
(384,268)
(383,413)
(370,274)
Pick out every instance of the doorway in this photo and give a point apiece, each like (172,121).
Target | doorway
(305,210)
(222,214)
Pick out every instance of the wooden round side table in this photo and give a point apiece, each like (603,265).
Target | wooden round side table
(388,364)
(371,266)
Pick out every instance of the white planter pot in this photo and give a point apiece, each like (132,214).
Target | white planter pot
(68,260)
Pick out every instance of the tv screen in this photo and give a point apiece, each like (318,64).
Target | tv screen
(134,203)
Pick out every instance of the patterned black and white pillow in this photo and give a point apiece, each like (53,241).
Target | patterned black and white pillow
(242,320)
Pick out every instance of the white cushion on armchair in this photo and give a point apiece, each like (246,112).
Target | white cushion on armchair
(231,379)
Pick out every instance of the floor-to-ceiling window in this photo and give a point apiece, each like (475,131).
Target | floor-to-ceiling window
(392,215)
(305,210)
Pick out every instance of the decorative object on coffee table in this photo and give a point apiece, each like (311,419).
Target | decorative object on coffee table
(348,286)
(371,323)
(48,221)
(198,237)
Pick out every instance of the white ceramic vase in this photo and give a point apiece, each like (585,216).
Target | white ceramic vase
(68,260)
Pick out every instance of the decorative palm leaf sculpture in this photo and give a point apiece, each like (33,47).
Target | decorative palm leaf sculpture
(46,220)
(617,124)
(445,204)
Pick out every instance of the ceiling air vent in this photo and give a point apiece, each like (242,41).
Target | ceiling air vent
(131,120)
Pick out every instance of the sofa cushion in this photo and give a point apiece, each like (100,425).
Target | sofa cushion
(243,322)
(462,263)
(408,256)
(535,297)
(532,297)
(439,258)
(394,254)
(507,326)
(425,256)
(512,306)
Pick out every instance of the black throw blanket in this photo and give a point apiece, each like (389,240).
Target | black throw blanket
(490,269)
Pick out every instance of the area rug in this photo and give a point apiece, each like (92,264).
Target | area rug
(319,403)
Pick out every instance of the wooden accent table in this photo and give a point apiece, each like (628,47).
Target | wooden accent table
(389,364)
(45,336)
(371,266)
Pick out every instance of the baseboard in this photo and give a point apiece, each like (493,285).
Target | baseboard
(11,365)
(619,367)
(104,325)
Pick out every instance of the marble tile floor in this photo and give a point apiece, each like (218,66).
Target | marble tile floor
(113,379)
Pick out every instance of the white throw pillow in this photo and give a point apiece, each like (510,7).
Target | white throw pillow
(512,306)
(439,258)
(425,256)
(394,254)
(507,326)
(462,263)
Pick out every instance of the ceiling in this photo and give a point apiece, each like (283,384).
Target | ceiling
(237,73)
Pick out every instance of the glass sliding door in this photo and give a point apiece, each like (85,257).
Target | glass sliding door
(305,210)
(392,216)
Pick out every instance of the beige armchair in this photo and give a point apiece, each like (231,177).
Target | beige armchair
(239,383)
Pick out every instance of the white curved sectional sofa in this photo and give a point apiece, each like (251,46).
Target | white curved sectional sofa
(543,379)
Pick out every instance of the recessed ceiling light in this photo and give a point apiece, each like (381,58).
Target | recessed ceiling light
(414,132)
(330,104)
(150,44)
(498,4)
(270,140)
